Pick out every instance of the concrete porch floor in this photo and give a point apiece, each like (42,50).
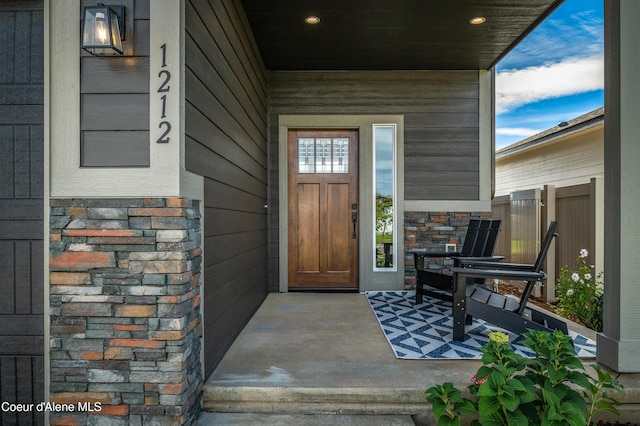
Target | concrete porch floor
(320,354)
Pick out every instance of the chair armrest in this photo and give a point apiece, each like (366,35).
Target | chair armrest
(437,254)
(470,262)
(500,273)
(491,260)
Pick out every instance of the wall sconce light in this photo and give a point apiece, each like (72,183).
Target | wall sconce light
(103,29)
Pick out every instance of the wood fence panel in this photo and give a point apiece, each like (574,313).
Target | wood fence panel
(501,208)
(573,212)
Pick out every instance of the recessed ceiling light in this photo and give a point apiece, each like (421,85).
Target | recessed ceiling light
(478,20)
(312,20)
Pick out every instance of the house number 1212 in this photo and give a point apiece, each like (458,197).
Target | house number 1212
(165,77)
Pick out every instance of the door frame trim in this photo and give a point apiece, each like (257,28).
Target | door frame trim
(368,278)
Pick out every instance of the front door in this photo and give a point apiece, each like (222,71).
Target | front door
(323,209)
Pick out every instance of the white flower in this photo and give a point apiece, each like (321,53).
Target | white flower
(570,292)
(587,276)
(584,253)
(575,276)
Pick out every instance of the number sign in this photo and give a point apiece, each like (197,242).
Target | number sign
(164,77)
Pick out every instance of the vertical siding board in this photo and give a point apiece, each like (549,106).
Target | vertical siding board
(8,388)
(7,255)
(37,48)
(36,162)
(22,281)
(6,153)
(24,370)
(22,162)
(22,70)
(37,278)
(38,383)
(7,36)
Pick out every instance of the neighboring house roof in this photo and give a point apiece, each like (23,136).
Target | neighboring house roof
(590,119)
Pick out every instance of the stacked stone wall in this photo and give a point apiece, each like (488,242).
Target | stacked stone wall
(125,333)
(431,231)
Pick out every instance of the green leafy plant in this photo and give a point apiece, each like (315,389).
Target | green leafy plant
(509,389)
(580,294)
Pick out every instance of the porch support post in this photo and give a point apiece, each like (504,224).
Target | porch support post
(619,343)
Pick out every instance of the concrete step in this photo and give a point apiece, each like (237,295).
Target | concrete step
(315,400)
(249,419)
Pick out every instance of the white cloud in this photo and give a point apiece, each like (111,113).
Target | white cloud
(516,131)
(515,88)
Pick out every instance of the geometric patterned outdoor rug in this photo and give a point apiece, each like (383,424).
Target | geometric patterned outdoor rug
(425,331)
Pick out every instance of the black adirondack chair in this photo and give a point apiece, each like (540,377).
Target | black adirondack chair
(503,311)
(438,282)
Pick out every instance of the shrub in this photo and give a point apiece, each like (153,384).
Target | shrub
(580,294)
(509,389)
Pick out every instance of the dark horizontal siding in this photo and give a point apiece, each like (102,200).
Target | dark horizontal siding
(441,119)
(226,133)
(21,208)
(114,115)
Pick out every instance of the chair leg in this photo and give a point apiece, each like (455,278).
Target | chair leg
(459,307)
(418,294)
(468,320)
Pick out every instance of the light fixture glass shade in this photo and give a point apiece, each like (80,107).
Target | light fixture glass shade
(101,31)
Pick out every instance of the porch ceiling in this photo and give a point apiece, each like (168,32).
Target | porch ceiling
(390,34)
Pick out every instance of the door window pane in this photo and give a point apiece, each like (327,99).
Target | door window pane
(323,155)
(306,155)
(341,155)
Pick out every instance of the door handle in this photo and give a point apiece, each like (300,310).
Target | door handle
(354,220)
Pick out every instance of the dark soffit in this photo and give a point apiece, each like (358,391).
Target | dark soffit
(390,34)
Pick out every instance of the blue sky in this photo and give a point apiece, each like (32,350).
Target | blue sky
(553,75)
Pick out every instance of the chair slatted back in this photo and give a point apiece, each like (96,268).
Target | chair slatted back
(471,238)
(492,238)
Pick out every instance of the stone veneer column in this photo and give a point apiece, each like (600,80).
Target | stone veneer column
(125,310)
(431,231)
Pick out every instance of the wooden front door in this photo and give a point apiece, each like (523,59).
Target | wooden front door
(323,209)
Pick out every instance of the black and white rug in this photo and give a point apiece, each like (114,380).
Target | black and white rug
(425,331)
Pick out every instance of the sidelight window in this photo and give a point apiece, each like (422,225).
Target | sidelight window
(384,147)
